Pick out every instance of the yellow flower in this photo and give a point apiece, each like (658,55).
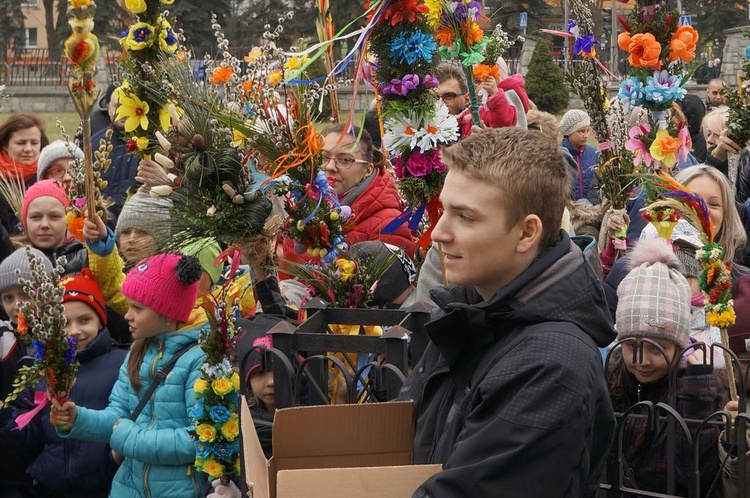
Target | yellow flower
(212,467)
(231,428)
(723,319)
(235,380)
(347,268)
(79,4)
(165,120)
(274,78)
(140,36)
(135,6)
(237,467)
(206,432)
(167,2)
(253,55)
(665,147)
(141,142)
(238,139)
(70,216)
(433,16)
(295,63)
(200,386)
(134,110)
(222,386)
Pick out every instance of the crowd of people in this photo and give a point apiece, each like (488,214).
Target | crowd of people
(511,396)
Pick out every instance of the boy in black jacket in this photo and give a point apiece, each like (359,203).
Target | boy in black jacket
(510,394)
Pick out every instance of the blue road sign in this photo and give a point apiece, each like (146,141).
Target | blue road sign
(686,20)
(523,20)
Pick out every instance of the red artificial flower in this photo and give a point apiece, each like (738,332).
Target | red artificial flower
(131,145)
(404,9)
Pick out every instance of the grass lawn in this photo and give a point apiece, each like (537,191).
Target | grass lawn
(69,121)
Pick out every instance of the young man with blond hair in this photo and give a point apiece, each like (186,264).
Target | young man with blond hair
(510,395)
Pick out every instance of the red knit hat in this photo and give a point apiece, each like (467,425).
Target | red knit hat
(84,288)
(44,188)
(166,283)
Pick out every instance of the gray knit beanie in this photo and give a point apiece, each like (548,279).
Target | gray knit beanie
(150,214)
(654,298)
(572,121)
(54,151)
(18,260)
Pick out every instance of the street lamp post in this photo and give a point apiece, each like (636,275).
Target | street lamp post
(613,43)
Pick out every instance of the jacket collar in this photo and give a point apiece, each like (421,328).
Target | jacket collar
(100,345)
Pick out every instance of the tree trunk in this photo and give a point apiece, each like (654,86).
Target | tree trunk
(53,44)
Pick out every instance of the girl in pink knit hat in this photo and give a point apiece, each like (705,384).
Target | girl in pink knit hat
(154,447)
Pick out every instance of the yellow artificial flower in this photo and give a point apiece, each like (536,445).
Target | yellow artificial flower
(238,139)
(70,216)
(274,78)
(200,386)
(165,119)
(136,6)
(140,36)
(79,4)
(295,63)
(141,142)
(253,55)
(433,16)
(167,2)
(721,319)
(347,268)
(231,428)
(237,466)
(664,148)
(167,38)
(222,386)
(206,432)
(134,110)
(235,380)
(212,467)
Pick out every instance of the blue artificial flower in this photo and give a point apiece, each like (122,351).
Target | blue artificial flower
(631,92)
(202,449)
(663,88)
(39,349)
(70,353)
(584,44)
(219,413)
(171,39)
(141,34)
(411,46)
(125,33)
(197,410)
(223,450)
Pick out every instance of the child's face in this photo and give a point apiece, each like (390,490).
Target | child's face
(12,298)
(579,137)
(135,244)
(45,223)
(262,385)
(654,365)
(83,324)
(144,322)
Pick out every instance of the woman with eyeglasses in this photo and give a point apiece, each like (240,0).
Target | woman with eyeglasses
(357,173)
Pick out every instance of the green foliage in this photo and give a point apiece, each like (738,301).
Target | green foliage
(194,17)
(712,17)
(11,26)
(545,82)
(506,12)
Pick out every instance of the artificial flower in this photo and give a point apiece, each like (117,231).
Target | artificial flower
(212,468)
(274,78)
(200,386)
(347,268)
(682,45)
(235,380)
(401,131)
(79,4)
(82,50)
(472,33)
(585,46)
(79,202)
(231,428)
(574,29)
(623,40)
(138,37)
(165,118)
(222,450)
(644,51)
(399,168)
(409,47)
(445,36)
(202,449)
(205,432)
(637,147)
(197,410)
(219,413)
(134,110)
(664,148)
(399,86)
(253,55)
(631,92)
(683,133)
(440,129)
(404,10)
(483,71)
(295,63)
(663,88)
(434,9)
(465,11)
(222,386)
(422,164)
(429,81)
(75,228)
(22,328)
(167,39)
(81,26)
(135,6)
(222,74)
(238,139)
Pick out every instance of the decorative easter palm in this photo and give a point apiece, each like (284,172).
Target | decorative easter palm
(715,280)
(41,323)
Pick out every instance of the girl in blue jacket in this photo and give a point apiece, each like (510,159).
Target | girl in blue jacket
(155,450)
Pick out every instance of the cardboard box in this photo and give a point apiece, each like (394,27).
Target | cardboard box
(336,451)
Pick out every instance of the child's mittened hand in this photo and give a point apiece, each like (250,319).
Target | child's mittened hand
(229,490)
(94,229)
(63,417)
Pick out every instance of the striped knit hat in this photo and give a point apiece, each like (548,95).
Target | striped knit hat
(654,298)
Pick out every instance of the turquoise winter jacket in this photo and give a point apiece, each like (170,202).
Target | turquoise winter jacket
(157,449)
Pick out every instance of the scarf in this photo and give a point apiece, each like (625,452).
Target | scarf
(348,198)
(11,168)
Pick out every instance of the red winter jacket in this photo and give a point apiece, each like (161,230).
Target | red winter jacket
(377,206)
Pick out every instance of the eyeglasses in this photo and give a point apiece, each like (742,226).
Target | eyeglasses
(448,97)
(341,162)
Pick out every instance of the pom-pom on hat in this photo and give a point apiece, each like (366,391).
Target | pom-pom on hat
(572,121)
(58,149)
(84,288)
(18,260)
(654,298)
(166,283)
(150,214)
(44,188)
(685,241)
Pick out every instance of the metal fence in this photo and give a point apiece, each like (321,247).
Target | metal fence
(308,359)
(36,67)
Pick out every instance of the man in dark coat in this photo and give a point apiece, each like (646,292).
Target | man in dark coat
(510,394)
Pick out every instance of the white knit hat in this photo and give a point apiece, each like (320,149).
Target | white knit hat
(54,151)
(572,121)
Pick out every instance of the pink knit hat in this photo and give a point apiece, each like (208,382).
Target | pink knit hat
(166,283)
(44,188)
